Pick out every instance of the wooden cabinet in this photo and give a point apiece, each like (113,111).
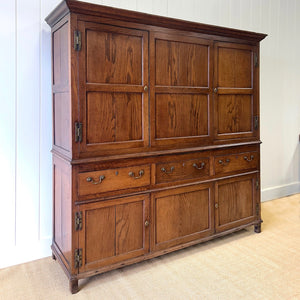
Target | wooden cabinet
(155,135)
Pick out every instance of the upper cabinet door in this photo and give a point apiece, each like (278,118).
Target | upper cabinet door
(236,91)
(180,89)
(113,89)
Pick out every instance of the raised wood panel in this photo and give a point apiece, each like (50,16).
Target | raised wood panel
(129,227)
(114,231)
(181,215)
(100,233)
(181,64)
(61,56)
(114,57)
(114,117)
(181,115)
(113,69)
(62,121)
(235,200)
(235,114)
(234,67)
(62,208)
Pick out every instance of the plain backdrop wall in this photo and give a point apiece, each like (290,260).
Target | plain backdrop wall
(25,111)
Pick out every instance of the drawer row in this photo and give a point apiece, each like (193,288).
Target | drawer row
(174,170)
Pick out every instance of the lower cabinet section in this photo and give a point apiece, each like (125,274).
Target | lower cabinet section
(113,231)
(181,215)
(235,202)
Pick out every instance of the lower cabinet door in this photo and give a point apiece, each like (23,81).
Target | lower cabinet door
(113,231)
(235,202)
(181,215)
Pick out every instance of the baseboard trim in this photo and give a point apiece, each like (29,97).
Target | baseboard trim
(280,191)
(19,254)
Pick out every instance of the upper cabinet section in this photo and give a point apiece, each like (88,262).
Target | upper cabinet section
(126,82)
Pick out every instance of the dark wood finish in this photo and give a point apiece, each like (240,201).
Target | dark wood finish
(115,179)
(114,231)
(235,200)
(235,80)
(181,215)
(180,89)
(181,170)
(113,73)
(168,152)
(236,162)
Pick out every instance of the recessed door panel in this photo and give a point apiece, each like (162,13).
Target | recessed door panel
(235,91)
(113,89)
(180,90)
(113,231)
(181,215)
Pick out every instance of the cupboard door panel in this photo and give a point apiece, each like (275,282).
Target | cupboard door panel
(180,90)
(235,114)
(181,115)
(181,215)
(114,117)
(113,231)
(113,71)
(235,202)
(236,91)
(181,64)
(113,57)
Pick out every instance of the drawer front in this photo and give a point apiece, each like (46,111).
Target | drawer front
(236,162)
(113,179)
(182,170)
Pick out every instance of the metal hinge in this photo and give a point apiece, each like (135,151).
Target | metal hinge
(255,122)
(255,60)
(257,184)
(78,132)
(257,209)
(77,40)
(78,258)
(78,221)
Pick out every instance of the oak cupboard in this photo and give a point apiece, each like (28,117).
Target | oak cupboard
(156,142)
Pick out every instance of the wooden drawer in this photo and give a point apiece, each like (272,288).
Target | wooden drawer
(182,170)
(113,179)
(236,162)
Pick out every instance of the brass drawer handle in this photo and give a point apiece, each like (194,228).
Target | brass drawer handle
(249,159)
(91,179)
(147,223)
(167,172)
(224,163)
(141,173)
(199,167)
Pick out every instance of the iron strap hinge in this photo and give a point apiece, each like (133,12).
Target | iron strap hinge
(78,258)
(77,40)
(78,221)
(78,132)
(255,60)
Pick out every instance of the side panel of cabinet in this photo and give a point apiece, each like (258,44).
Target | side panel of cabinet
(235,202)
(62,131)
(114,231)
(62,210)
(180,89)
(113,75)
(181,215)
(236,91)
